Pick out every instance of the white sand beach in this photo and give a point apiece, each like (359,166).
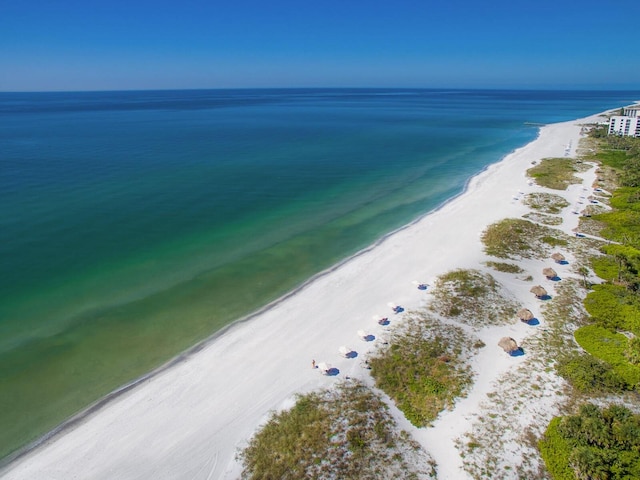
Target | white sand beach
(190,420)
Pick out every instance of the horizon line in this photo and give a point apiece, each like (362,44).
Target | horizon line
(455,89)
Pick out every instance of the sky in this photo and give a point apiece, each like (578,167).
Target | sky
(51,45)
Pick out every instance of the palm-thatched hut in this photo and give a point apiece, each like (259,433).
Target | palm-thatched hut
(549,273)
(508,344)
(538,291)
(557,257)
(525,314)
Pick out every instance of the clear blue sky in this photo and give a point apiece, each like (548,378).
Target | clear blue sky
(141,44)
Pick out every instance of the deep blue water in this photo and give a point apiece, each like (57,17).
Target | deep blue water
(133,224)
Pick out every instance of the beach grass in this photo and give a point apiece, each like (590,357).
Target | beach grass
(548,203)
(502,423)
(536,217)
(505,267)
(517,238)
(425,367)
(555,173)
(344,432)
(473,298)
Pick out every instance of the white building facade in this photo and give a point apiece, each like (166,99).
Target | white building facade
(632,111)
(627,126)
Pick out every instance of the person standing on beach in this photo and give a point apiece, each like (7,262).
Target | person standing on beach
(313,364)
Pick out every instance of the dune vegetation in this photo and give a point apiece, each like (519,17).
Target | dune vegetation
(505,267)
(596,443)
(604,442)
(589,351)
(344,432)
(548,203)
(517,238)
(424,367)
(472,297)
(555,173)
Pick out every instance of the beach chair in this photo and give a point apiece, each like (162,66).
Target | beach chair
(324,368)
(345,351)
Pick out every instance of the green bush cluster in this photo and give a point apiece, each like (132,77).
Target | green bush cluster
(594,444)
(612,348)
(423,370)
(587,374)
(345,432)
(632,352)
(613,306)
(555,449)
(605,443)
(620,225)
(517,238)
(623,155)
(555,173)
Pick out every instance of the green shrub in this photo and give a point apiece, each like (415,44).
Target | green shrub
(555,173)
(423,369)
(543,218)
(545,202)
(621,226)
(554,241)
(614,307)
(626,198)
(632,353)
(594,444)
(342,433)
(611,348)
(555,452)
(518,238)
(588,374)
(505,267)
(605,267)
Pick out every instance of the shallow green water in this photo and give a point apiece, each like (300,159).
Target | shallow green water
(135,224)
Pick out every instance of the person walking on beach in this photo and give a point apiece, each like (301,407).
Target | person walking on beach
(313,364)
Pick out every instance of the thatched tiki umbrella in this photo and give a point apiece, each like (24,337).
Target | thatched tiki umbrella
(538,291)
(525,314)
(549,272)
(558,257)
(508,344)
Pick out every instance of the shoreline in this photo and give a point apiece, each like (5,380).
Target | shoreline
(242,348)
(103,402)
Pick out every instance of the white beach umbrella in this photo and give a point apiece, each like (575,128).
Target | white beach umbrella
(362,334)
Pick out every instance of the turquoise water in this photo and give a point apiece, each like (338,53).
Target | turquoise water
(134,224)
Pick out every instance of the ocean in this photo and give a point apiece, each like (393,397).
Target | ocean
(135,224)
